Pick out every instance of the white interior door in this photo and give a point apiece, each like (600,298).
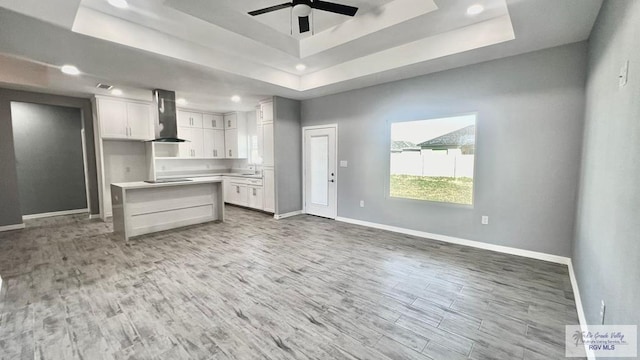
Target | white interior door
(320,177)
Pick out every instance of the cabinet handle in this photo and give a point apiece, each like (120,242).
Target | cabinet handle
(254,191)
(229,153)
(228,123)
(213,123)
(238,189)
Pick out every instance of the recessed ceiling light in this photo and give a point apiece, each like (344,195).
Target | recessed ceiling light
(120,4)
(116,92)
(301,67)
(181,101)
(235,98)
(475,9)
(70,70)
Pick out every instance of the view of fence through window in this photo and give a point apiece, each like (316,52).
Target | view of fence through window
(433,159)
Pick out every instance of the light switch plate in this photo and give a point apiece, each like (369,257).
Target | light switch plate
(343,163)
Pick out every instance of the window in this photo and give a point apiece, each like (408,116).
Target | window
(433,159)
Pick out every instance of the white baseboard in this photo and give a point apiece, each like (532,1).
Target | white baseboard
(94,216)
(12,227)
(55,213)
(454,240)
(579,308)
(286,215)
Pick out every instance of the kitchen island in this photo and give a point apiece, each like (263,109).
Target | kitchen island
(141,208)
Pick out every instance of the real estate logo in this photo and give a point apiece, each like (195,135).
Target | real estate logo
(602,341)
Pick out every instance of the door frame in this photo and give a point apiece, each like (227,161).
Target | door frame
(304,165)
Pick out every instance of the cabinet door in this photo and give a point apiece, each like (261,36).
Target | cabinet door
(212,121)
(196,120)
(238,194)
(228,193)
(112,115)
(185,147)
(231,143)
(231,121)
(218,144)
(260,144)
(197,142)
(139,121)
(184,118)
(266,110)
(255,197)
(269,187)
(209,143)
(267,144)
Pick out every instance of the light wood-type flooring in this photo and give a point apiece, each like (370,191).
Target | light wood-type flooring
(258,288)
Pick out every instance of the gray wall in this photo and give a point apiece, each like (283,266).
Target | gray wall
(529,131)
(10,212)
(288,154)
(50,165)
(606,251)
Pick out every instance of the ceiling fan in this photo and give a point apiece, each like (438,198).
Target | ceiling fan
(302,9)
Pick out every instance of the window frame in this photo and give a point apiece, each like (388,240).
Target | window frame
(387,182)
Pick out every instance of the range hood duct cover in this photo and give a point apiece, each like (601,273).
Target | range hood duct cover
(166,124)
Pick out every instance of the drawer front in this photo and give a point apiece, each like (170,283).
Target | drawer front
(245,181)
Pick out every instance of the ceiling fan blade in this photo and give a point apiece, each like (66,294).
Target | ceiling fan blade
(303,22)
(270,9)
(334,8)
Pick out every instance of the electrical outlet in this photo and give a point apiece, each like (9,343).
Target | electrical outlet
(485,220)
(127,169)
(361,203)
(624,74)
(602,311)
(344,163)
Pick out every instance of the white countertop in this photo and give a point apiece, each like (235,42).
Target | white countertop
(146,185)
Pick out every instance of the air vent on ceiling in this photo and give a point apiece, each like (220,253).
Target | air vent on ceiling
(104,86)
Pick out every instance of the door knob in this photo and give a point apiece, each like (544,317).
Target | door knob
(332,180)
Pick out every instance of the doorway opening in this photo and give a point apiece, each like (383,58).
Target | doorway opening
(50,157)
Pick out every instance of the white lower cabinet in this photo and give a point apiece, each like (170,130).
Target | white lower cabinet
(269,186)
(244,192)
(255,197)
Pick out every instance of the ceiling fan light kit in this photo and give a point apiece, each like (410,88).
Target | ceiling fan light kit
(302,9)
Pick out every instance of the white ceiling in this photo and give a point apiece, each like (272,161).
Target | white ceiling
(209,50)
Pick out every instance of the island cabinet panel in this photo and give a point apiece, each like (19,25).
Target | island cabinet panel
(142,208)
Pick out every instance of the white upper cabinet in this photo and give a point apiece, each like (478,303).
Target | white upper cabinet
(138,118)
(112,115)
(213,121)
(266,112)
(235,136)
(121,119)
(194,146)
(205,133)
(189,119)
(214,144)
(231,121)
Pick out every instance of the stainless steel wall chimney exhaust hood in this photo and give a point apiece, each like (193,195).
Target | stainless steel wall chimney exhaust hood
(166,124)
